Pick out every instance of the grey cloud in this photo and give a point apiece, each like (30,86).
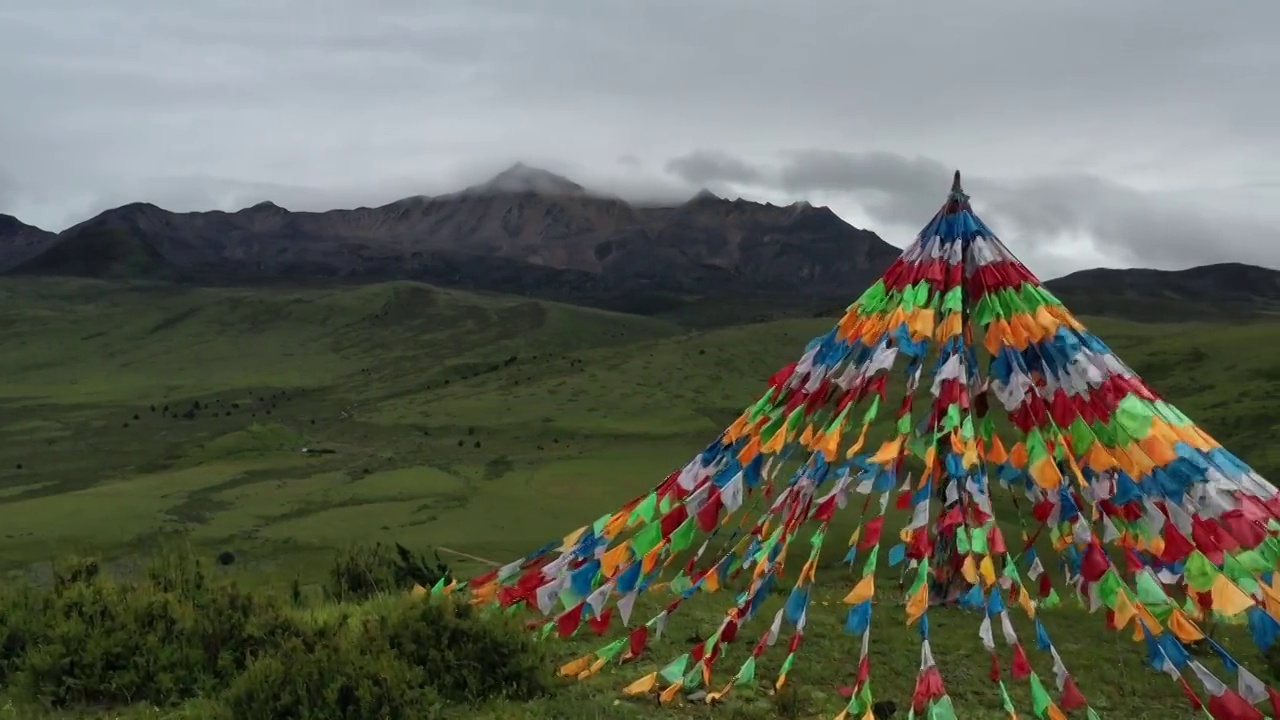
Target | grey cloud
(706,167)
(354,100)
(1127,226)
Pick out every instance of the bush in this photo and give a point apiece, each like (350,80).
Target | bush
(467,655)
(91,641)
(362,572)
(333,680)
(181,634)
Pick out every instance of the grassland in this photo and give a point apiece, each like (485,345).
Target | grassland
(486,425)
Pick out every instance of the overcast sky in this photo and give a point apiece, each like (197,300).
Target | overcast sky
(1091,132)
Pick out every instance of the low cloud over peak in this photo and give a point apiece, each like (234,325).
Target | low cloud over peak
(1081,219)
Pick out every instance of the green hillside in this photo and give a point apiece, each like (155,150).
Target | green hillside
(486,425)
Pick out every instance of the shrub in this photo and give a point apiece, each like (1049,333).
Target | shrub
(90,641)
(467,655)
(363,571)
(333,680)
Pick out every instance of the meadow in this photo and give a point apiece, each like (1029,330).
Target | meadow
(283,425)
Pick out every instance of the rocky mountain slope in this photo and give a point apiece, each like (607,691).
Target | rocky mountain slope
(532,232)
(525,230)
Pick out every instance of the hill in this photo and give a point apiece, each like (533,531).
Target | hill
(484,425)
(1225,290)
(420,391)
(525,231)
(19,242)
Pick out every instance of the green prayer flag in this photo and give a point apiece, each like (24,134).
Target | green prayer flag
(647,539)
(747,673)
(962,540)
(613,649)
(693,678)
(942,709)
(953,300)
(870,567)
(675,670)
(978,540)
(1005,701)
(1199,572)
(1149,591)
(682,538)
(786,664)
(1109,588)
(1040,700)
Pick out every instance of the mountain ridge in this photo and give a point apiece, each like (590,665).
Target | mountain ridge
(532,232)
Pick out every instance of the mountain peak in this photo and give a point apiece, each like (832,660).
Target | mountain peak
(521,178)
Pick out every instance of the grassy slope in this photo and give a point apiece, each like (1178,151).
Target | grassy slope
(403,381)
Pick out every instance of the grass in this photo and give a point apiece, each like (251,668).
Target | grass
(482,424)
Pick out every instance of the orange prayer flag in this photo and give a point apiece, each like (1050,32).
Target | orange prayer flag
(969,570)
(1018,457)
(806,437)
(670,693)
(1055,713)
(715,696)
(888,452)
(610,561)
(650,560)
(1098,458)
(918,603)
(997,453)
(1183,628)
(642,686)
(1046,474)
(951,326)
(863,591)
(997,331)
(1158,449)
(857,444)
(830,444)
(595,668)
(711,582)
(574,667)
(775,443)
(750,450)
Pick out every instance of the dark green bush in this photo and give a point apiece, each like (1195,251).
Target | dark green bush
(181,633)
(89,640)
(466,656)
(364,571)
(333,680)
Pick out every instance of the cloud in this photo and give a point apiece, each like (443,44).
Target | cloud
(1117,224)
(705,167)
(352,102)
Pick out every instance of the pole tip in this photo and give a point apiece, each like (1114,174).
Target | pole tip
(955,184)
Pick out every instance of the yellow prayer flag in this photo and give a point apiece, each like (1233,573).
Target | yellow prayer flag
(1228,598)
(988,571)
(1124,610)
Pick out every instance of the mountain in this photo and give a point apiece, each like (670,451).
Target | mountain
(529,231)
(526,230)
(1226,290)
(19,242)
